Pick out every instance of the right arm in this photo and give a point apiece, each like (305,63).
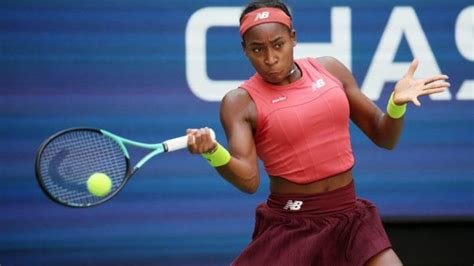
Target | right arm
(238,118)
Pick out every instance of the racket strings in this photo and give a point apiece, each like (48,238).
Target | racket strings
(70,159)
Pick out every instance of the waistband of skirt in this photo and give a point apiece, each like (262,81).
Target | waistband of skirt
(335,201)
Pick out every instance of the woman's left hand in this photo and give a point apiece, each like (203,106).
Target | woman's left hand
(408,89)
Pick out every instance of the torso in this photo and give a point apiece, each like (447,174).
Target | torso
(282,185)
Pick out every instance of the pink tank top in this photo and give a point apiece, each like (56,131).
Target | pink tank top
(302,130)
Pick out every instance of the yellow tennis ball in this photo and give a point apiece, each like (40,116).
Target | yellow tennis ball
(99,184)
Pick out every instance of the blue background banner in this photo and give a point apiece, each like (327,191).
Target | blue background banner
(129,67)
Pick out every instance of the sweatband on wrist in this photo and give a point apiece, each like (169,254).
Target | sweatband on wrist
(218,157)
(395,111)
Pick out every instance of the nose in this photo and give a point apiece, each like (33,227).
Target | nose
(270,57)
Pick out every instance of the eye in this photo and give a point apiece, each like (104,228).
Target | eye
(257,50)
(278,45)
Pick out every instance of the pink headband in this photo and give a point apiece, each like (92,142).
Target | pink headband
(264,15)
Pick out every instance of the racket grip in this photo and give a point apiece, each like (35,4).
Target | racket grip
(182,142)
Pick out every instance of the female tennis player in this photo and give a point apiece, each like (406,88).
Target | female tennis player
(294,116)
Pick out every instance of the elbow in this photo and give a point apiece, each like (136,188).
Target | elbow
(250,190)
(386,141)
(245,182)
(251,186)
(388,145)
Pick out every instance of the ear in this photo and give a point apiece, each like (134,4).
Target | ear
(293,37)
(242,43)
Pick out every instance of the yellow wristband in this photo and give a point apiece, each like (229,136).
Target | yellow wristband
(218,157)
(395,111)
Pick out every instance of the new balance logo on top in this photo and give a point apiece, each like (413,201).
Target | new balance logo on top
(318,84)
(293,205)
(262,15)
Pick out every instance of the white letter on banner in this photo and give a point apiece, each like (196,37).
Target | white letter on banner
(341,39)
(402,21)
(203,19)
(196,71)
(464,36)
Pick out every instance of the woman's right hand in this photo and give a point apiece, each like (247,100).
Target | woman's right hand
(200,140)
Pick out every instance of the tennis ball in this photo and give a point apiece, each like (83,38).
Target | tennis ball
(99,184)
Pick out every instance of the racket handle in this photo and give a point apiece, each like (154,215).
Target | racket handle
(182,142)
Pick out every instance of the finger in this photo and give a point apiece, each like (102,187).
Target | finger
(198,136)
(202,140)
(204,131)
(435,78)
(412,68)
(210,134)
(191,139)
(433,91)
(190,131)
(436,85)
(206,138)
(191,144)
(196,146)
(416,102)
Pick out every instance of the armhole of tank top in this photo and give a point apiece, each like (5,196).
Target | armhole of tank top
(257,107)
(321,68)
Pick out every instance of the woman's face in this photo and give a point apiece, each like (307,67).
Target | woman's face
(269,47)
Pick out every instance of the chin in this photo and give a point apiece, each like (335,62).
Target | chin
(274,79)
(278,81)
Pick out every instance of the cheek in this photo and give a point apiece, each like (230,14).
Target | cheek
(288,51)
(256,62)
(286,55)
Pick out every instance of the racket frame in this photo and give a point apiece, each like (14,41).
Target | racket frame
(157,148)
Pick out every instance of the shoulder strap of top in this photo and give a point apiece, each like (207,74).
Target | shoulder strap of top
(322,69)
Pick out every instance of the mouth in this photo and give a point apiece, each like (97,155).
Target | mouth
(274,73)
(274,77)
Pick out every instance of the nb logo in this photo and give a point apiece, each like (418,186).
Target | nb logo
(262,15)
(318,84)
(293,205)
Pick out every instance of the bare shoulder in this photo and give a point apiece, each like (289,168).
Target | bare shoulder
(338,70)
(236,97)
(327,60)
(237,103)
(333,65)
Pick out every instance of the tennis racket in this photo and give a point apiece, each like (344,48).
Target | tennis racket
(65,162)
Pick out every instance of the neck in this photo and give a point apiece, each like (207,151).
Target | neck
(294,74)
(293,70)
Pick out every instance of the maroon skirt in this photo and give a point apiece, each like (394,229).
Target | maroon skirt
(332,228)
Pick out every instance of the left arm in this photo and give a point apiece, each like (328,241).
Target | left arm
(382,129)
